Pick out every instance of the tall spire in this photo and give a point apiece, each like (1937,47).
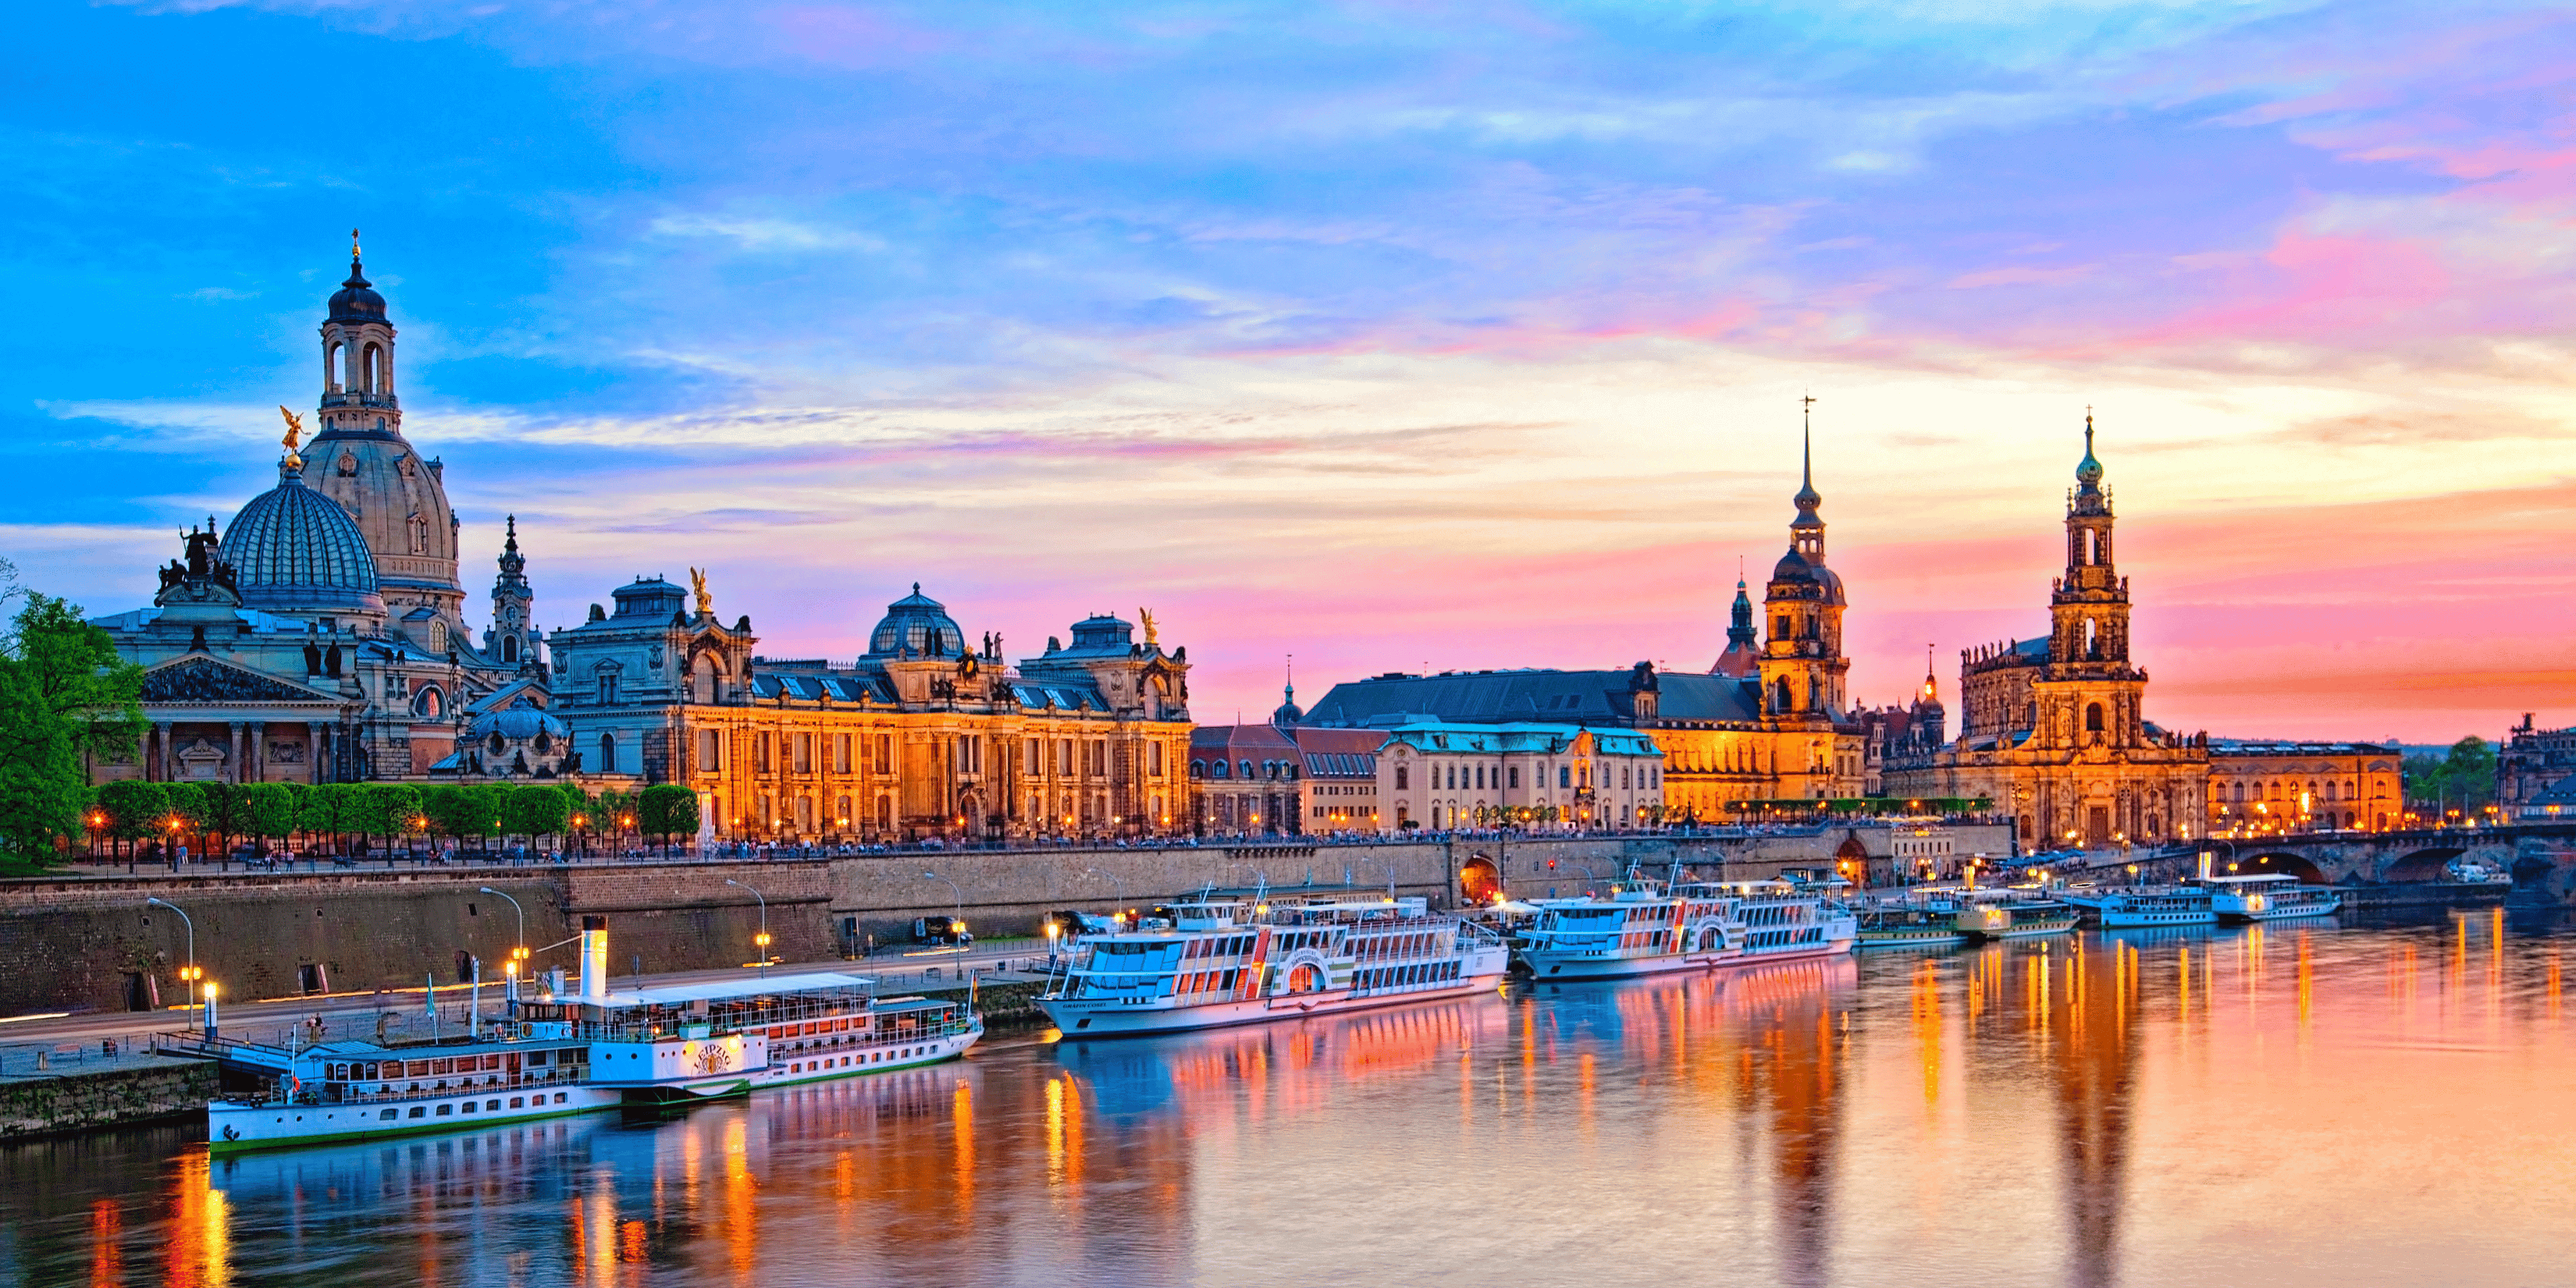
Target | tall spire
(2088,472)
(1807,498)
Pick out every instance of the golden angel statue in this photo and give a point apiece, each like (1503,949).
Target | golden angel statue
(294,433)
(706,600)
(1146,615)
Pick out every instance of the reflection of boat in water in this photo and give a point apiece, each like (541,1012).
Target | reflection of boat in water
(503,1151)
(1158,1072)
(594,1050)
(1693,925)
(2270,898)
(1227,961)
(2161,905)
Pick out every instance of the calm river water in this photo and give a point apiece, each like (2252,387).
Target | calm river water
(2284,1106)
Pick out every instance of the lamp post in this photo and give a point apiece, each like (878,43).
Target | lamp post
(189,972)
(518,950)
(760,940)
(956,924)
(210,1010)
(1121,911)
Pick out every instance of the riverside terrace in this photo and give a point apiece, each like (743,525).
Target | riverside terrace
(87,939)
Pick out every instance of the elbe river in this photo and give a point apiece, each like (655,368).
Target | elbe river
(2286,1105)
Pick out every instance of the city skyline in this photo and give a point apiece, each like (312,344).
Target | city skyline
(1455,358)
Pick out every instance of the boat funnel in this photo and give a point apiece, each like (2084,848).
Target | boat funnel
(594,958)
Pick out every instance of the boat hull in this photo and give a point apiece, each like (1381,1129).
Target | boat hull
(1924,937)
(1557,968)
(2239,916)
(1082,1019)
(233,1126)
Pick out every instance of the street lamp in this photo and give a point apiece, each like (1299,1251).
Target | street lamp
(1113,880)
(210,1010)
(519,951)
(956,924)
(762,939)
(188,972)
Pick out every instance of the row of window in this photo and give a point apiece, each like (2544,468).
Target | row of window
(965,753)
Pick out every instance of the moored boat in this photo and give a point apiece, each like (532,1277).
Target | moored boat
(596,1049)
(1220,961)
(2268,897)
(2161,905)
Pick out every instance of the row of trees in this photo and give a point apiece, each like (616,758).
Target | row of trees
(225,813)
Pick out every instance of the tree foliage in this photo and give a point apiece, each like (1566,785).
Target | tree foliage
(666,810)
(2464,778)
(66,698)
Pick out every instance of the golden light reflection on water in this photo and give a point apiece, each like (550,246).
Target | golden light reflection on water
(2140,1108)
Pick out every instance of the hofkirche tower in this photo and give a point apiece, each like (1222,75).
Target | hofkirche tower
(2054,730)
(360,459)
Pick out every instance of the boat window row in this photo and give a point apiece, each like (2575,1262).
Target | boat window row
(1212,946)
(1403,976)
(1196,983)
(1384,947)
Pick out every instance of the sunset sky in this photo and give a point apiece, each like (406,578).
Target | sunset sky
(1383,334)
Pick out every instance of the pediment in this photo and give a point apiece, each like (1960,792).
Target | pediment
(205,679)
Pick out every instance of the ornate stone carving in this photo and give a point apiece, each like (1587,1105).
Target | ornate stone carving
(206,680)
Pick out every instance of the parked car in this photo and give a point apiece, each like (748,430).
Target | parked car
(940,930)
(1072,923)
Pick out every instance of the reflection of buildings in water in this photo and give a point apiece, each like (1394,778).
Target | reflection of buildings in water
(1768,1037)
(2074,1009)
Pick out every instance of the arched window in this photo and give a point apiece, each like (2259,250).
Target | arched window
(1198,769)
(607,745)
(509,648)
(428,703)
(2093,717)
(1780,696)
(437,636)
(1403,778)
(702,680)
(367,369)
(1246,766)
(495,743)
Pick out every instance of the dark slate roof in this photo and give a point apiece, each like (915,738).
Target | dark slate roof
(839,686)
(1569,697)
(1063,695)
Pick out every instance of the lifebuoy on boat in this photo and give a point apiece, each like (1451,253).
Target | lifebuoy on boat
(231,1132)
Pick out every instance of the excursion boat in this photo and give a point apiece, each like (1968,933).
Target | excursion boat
(1695,925)
(2269,898)
(594,1050)
(2121,909)
(1990,916)
(1638,930)
(1911,923)
(1224,961)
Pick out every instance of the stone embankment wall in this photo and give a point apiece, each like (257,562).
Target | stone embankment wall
(80,1100)
(84,942)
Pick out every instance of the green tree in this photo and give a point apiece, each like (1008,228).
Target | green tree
(329,810)
(666,810)
(536,811)
(134,808)
(2463,779)
(187,808)
(223,805)
(388,810)
(267,810)
(66,699)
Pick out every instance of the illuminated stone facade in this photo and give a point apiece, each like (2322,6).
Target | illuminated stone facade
(924,735)
(2054,730)
(2261,787)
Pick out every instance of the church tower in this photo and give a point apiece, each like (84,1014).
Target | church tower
(1743,655)
(2088,695)
(512,641)
(360,459)
(1802,662)
(2090,604)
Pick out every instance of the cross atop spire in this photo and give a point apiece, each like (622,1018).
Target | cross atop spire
(1807,499)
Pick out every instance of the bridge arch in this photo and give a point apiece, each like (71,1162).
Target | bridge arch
(2422,865)
(2275,863)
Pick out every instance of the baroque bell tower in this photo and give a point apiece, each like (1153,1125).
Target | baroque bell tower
(512,641)
(360,459)
(1802,660)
